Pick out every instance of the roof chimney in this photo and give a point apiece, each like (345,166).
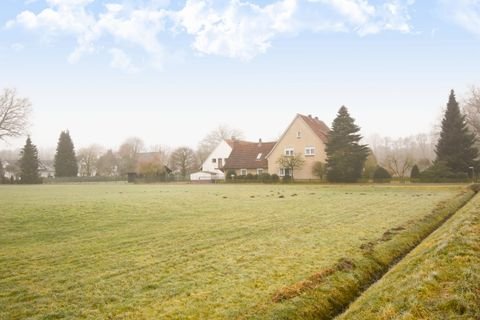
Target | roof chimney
(233,138)
(259,143)
(310,116)
(316,118)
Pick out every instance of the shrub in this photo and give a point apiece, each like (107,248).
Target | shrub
(318,169)
(230,175)
(265,177)
(250,177)
(274,178)
(381,175)
(287,179)
(440,172)
(415,174)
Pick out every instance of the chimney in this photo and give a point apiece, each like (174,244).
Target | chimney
(233,138)
(259,143)
(316,118)
(310,116)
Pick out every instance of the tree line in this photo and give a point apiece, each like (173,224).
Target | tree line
(453,155)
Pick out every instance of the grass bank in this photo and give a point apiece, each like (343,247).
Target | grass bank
(440,279)
(328,292)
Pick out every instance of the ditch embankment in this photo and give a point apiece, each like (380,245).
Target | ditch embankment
(329,292)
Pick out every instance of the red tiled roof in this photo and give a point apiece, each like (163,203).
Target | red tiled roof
(244,155)
(318,126)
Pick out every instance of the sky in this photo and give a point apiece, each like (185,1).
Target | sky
(171,71)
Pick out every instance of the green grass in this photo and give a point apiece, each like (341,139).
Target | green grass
(179,251)
(440,279)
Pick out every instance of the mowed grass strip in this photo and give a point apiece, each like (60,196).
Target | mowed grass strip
(328,292)
(183,251)
(440,279)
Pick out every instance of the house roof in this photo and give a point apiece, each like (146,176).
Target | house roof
(319,128)
(249,155)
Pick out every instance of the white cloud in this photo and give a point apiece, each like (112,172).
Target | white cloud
(240,30)
(235,28)
(141,27)
(120,60)
(465,13)
(365,18)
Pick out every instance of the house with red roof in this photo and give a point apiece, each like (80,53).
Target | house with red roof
(306,136)
(249,157)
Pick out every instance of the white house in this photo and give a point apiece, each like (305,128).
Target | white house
(211,168)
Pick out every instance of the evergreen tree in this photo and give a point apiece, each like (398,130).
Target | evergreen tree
(345,155)
(415,173)
(65,160)
(29,163)
(456,144)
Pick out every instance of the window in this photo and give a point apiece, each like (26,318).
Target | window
(299,134)
(243,172)
(214,160)
(284,172)
(289,151)
(220,163)
(259,171)
(259,156)
(309,151)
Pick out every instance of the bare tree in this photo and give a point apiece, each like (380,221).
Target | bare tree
(14,113)
(153,166)
(472,110)
(211,140)
(399,159)
(164,151)
(184,161)
(107,164)
(128,154)
(88,159)
(291,162)
(2,172)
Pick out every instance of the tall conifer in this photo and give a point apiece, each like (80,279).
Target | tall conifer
(29,163)
(455,147)
(345,155)
(65,160)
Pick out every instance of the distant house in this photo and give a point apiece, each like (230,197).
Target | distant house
(306,135)
(11,169)
(46,169)
(212,167)
(249,157)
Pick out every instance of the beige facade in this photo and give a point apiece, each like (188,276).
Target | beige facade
(302,137)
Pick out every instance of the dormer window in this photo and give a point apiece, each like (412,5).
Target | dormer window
(299,134)
(259,156)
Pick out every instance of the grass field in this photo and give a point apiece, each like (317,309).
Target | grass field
(440,279)
(182,251)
